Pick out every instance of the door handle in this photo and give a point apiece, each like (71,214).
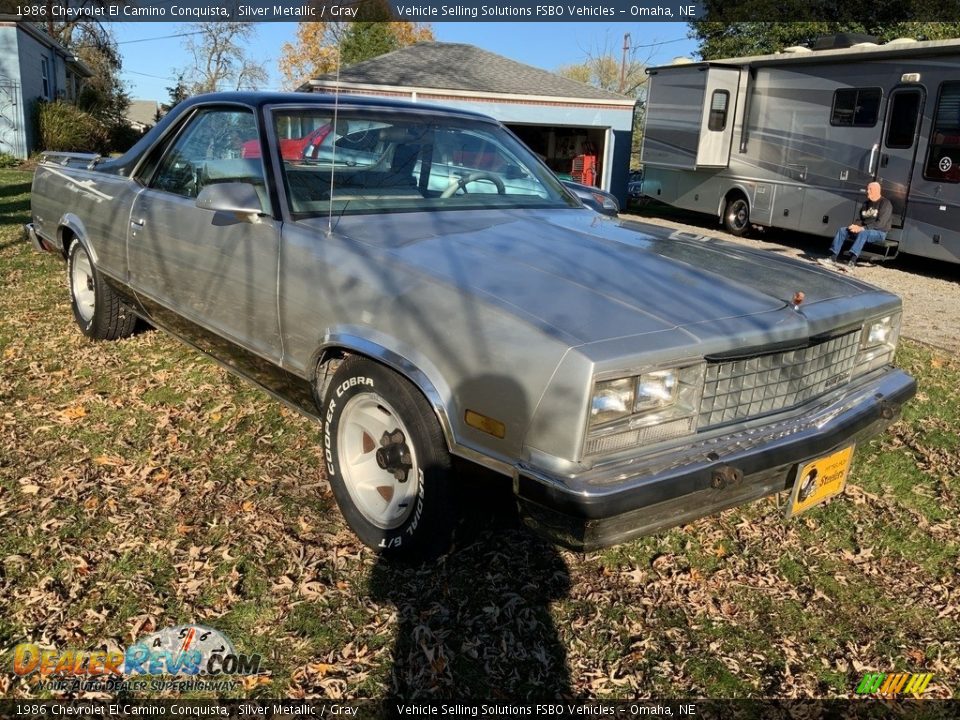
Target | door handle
(138,223)
(884,159)
(873,157)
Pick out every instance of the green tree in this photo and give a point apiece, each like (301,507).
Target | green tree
(178,93)
(722,38)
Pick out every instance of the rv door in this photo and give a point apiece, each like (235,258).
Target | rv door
(716,122)
(901,131)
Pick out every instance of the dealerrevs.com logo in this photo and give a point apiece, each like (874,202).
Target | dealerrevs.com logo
(203,655)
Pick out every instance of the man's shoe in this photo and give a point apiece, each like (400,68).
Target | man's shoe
(852,262)
(830,262)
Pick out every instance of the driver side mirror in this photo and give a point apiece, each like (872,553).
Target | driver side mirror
(238,198)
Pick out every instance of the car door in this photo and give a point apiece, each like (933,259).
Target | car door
(213,270)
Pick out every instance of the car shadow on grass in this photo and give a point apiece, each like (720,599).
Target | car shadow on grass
(476,624)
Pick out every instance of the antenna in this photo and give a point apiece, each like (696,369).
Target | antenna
(333,134)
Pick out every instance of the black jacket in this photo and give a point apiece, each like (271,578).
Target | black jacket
(877,215)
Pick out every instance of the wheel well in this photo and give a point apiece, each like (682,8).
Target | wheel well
(331,358)
(327,365)
(732,194)
(67,236)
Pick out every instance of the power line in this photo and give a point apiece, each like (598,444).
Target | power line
(150,39)
(156,77)
(161,37)
(657,44)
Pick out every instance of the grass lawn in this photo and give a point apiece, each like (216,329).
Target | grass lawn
(142,487)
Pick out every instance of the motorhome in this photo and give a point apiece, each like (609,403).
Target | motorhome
(791,140)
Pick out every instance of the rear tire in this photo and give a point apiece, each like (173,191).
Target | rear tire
(387,462)
(97,309)
(736,216)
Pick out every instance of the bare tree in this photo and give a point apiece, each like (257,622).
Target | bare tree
(220,58)
(622,71)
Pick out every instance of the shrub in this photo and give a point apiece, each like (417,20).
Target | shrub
(123,137)
(62,126)
(8,161)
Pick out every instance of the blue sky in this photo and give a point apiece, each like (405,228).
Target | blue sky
(150,65)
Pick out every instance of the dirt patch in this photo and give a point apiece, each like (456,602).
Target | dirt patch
(930,288)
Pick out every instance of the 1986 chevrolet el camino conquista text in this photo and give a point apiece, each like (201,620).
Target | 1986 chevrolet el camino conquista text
(421,284)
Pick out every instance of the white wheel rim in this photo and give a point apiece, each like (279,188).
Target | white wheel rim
(380,497)
(81,284)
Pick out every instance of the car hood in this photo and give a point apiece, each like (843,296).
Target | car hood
(588,279)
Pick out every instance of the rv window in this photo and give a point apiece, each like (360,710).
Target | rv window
(718,110)
(856,107)
(943,156)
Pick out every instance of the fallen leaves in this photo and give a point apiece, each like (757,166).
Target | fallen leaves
(145,489)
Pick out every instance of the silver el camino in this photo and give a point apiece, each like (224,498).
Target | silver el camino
(417,281)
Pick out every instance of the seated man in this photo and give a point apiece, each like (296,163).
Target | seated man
(876,214)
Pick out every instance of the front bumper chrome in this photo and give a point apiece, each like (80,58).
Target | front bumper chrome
(615,502)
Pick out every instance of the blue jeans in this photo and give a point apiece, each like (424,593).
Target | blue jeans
(859,240)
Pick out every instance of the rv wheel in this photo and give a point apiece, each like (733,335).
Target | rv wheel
(736,216)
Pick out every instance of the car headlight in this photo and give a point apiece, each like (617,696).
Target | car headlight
(878,343)
(639,409)
(612,400)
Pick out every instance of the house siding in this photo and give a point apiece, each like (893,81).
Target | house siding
(21,85)
(12,139)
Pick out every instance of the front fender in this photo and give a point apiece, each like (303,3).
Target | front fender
(424,375)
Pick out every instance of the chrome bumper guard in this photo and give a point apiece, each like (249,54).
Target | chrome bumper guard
(640,496)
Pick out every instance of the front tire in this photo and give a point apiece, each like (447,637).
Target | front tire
(98,310)
(736,216)
(387,462)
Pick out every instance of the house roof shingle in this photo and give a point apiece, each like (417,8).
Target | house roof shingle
(459,66)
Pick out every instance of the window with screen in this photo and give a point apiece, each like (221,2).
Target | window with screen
(943,154)
(856,107)
(718,110)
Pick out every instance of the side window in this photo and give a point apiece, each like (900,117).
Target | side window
(215,147)
(718,110)
(45,76)
(856,107)
(943,155)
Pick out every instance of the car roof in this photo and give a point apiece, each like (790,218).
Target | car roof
(260,99)
(126,163)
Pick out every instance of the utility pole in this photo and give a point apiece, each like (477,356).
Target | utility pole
(623,62)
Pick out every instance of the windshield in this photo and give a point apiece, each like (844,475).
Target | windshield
(370,162)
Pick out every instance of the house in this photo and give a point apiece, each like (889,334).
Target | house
(142,114)
(33,66)
(558,118)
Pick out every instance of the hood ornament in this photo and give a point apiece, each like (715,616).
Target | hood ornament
(798,298)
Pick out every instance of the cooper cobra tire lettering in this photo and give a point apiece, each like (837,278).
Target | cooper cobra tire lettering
(387,462)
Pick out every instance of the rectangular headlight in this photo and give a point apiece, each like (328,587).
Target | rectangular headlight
(612,400)
(655,390)
(878,343)
(640,409)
